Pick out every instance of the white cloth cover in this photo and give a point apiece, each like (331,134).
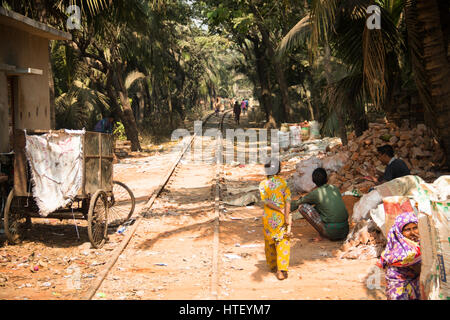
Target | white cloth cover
(56,162)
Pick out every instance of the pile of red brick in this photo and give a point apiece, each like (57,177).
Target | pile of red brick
(415,146)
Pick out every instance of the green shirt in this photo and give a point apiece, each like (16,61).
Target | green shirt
(328,202)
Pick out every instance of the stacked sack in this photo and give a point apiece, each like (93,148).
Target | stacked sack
(416,147)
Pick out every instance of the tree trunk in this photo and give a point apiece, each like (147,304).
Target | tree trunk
(147,101)
(359,119)
(169,103)
(308,101)
(141,105)
(437,68)
(342,128)
(339,112)
(279,75)
(125,112)
(266,93)
(51,86)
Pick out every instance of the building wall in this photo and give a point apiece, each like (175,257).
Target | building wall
(24,50)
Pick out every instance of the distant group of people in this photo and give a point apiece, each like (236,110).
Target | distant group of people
(324,209)
(238,108)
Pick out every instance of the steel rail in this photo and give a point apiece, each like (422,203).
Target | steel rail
(118,251)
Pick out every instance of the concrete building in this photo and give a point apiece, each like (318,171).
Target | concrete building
(24,75)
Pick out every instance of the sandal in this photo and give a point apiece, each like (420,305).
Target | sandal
(285,273)
(280,275)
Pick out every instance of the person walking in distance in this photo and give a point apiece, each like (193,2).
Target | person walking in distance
(237,111)
(243,106)
(217,106)
(246,106)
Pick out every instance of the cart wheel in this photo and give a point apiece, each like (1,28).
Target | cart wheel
(15,220)
(98,219)
(121,204)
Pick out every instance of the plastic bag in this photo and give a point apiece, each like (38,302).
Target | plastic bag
(314,130)
(367,202)
(296,137)
(283,139)
(379,217)
(305,133)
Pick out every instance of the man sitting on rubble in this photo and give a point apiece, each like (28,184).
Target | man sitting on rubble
(395,168)
(329,215)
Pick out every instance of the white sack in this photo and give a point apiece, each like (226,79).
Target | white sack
(367,202)
(308,164)
(56,162)
(303,178)
(296,137)
(379,217)
(442,184)
(283,139)
(335,163)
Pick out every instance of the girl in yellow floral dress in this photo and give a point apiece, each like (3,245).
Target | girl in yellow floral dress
(276,219)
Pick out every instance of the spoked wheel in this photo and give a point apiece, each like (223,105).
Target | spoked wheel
(15,219)
(121,204)
(98,219)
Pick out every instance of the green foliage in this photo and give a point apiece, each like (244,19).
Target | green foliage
(169,65)
(119,131)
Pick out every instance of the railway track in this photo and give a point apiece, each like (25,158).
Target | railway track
(168,193)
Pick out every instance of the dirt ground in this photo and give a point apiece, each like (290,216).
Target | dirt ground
(172,252)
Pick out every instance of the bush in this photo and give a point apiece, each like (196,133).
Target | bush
(119,131)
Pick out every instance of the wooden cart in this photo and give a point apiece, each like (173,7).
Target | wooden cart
(93,200)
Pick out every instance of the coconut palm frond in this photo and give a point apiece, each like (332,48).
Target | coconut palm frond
(374,55)
(132,77)
(69,113)
(93,6)
(330,126)
(295,36)
(323,15)
(346,92)
(376,45)
(75,108)
(349,46)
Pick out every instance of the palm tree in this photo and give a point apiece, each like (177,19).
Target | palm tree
(103,20)
(377,57)
(341,30)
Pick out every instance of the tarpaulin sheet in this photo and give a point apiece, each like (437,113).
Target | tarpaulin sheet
(56,162)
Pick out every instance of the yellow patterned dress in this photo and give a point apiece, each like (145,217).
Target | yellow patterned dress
(274,190)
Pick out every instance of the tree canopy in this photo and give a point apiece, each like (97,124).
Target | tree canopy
(152,63)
